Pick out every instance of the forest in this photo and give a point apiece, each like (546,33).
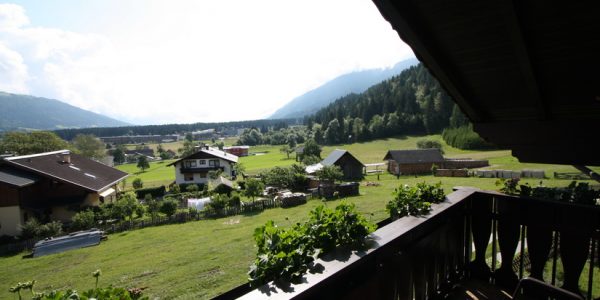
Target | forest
(411,103)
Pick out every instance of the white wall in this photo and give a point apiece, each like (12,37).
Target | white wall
(179,178)
(10,220)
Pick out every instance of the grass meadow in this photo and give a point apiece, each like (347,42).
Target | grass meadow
(202,259)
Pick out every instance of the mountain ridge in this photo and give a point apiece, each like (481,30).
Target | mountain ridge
(354,82)
(25,112)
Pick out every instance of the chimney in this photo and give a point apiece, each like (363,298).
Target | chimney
(66,157)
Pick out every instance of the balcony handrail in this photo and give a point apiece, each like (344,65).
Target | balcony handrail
(383,245)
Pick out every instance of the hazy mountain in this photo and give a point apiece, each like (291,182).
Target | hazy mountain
(28,112)
(355,82)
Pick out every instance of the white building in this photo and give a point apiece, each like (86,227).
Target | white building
(194,168)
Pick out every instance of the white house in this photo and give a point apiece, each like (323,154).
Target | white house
(194,168)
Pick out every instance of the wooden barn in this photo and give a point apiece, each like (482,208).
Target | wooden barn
(418,161)
(350,165)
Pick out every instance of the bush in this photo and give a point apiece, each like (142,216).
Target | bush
(310,159)
(218,202)
(83,220)
(192,188)
(429,144)
(175,189)
(286,254)
(137,183)
(156,192)
(169,207)
(465,138)
(30,229)
(330,173)
(414,201)
(234,200)
(50,229)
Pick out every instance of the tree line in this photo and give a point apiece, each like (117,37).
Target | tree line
(411,103)
(69,134)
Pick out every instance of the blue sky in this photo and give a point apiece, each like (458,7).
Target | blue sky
(155,62)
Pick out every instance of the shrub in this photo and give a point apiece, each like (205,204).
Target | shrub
(175,189)
(330,173)
(83,220)
(50,229)
(465,138)
(156,192)
(30,229)
(137,183)
(429,144)
(218,202)
(234,200)
(310,159)
(286,254)
(169,207)
(254,188)
(414,201)
(192,188)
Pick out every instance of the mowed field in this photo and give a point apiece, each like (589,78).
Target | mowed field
(202,259)
(267,156)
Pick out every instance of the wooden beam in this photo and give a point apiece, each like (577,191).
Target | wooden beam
(422,46)
(520,47)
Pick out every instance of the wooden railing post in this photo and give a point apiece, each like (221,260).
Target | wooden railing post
(481,227)
(508,239)
(577,226)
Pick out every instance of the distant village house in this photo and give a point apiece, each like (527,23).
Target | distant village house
(194,168)
(238,151)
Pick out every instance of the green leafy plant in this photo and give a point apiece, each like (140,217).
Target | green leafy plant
(109,292)
(414,201)
(83,220)
(286,254)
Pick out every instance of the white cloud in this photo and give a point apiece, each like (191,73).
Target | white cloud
(13,72)
(197,61)
(12,16)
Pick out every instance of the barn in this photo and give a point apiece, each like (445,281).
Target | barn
(413,161)
(350,165)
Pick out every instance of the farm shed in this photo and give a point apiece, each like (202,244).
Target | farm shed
(350,165)
(416,161)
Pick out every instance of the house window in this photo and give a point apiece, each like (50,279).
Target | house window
(203,175)
(203,161)
(188,176)
(213,163)
(190,163)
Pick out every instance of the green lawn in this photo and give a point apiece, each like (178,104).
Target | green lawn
(204,258)
(194,260)
(158,174)
(268,156)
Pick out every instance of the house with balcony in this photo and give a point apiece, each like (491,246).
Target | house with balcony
(52,186)
(194,168)
(525,74)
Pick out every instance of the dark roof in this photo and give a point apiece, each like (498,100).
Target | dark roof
(82,171)
(208,153)
(524,72)
(16,177)
(335,155)
(415,156)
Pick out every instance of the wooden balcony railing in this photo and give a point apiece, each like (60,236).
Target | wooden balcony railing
(427,257)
